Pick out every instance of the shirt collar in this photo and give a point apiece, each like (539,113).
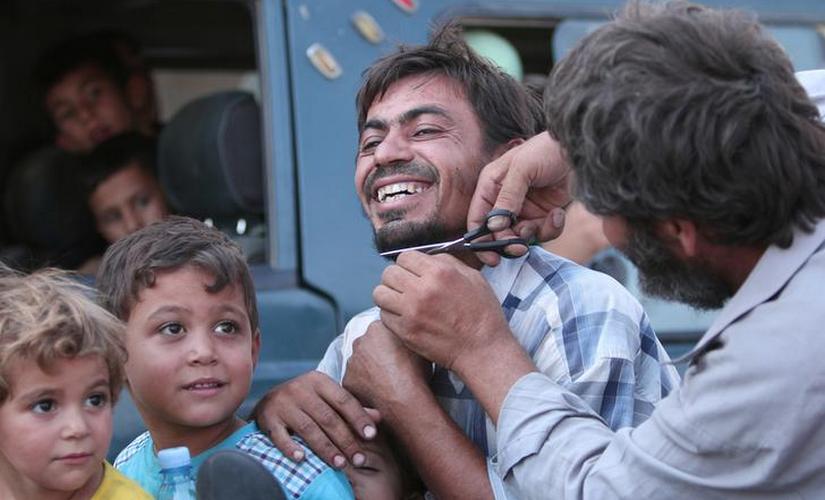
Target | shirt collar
(502,276)
(772,272)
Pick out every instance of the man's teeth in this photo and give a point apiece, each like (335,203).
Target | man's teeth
(398,191)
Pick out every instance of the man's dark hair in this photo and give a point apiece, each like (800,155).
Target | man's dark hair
(504,108)
(679,111)
(113,155)
(69,55)
(131,263)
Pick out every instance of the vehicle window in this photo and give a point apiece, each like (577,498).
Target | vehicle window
(192,50)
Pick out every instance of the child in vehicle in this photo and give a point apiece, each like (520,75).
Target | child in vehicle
(61,370)
(192,335)
(120,186)
(90,95)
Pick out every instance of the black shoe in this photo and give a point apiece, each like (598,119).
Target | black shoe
(232,475)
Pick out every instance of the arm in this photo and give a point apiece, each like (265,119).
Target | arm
(319,410)
(552,444)
(385,374)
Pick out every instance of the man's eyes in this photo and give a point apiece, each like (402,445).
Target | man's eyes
(424,131)
(370,144)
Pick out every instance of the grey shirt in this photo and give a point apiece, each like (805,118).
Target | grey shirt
(747,422)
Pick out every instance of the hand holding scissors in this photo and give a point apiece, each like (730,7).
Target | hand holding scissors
(467,242)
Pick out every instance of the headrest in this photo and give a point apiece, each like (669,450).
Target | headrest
(44,211)
(209,157)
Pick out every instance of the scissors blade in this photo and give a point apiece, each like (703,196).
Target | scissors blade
(431,246)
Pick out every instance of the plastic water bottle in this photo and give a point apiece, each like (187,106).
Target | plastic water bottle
(176,473)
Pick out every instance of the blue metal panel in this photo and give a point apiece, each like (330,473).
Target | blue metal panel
(335,236)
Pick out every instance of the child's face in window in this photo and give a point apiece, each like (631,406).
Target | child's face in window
(55,426)
(379,478)
(126,201)
(87,107)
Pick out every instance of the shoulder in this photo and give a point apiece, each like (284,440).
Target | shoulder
(586,310)
(574,282)
(295,477)
(135,448)
(362,320)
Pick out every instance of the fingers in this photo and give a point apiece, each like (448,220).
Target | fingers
(354,416)
(322,413)
(374,414)
(398,277)
(546,229)
(280,437)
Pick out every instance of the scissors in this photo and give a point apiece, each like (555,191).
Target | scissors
(467,242)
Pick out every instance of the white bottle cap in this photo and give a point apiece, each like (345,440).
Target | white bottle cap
(172,458)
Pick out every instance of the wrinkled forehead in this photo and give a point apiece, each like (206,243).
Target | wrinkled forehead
(412,91)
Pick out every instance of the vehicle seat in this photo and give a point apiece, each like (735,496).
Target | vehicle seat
(210,167)
(46,215)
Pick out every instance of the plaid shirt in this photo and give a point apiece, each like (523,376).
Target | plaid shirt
(582,329)
(309,479)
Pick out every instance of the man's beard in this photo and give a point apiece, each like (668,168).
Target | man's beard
(398,235)
(661,274)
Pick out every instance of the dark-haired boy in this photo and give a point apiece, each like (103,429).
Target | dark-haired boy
(120,186)
(192,336)
(90,94)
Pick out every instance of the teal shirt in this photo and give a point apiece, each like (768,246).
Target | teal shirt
(310,479)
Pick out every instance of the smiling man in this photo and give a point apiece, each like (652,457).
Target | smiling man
(716,159)
(429,119)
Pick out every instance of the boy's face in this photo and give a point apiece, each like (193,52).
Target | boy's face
(87,107)
(55,427)
(379,477)
(191,352)
(126,201)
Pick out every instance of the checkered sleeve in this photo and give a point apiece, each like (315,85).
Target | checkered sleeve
(296,478)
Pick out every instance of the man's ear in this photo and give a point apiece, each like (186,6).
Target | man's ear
(681,236)
(507,146)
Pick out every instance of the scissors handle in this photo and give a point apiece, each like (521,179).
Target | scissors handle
(499,246)
(484,229)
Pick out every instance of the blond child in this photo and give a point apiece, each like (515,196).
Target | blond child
(187,297)
(61,369)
